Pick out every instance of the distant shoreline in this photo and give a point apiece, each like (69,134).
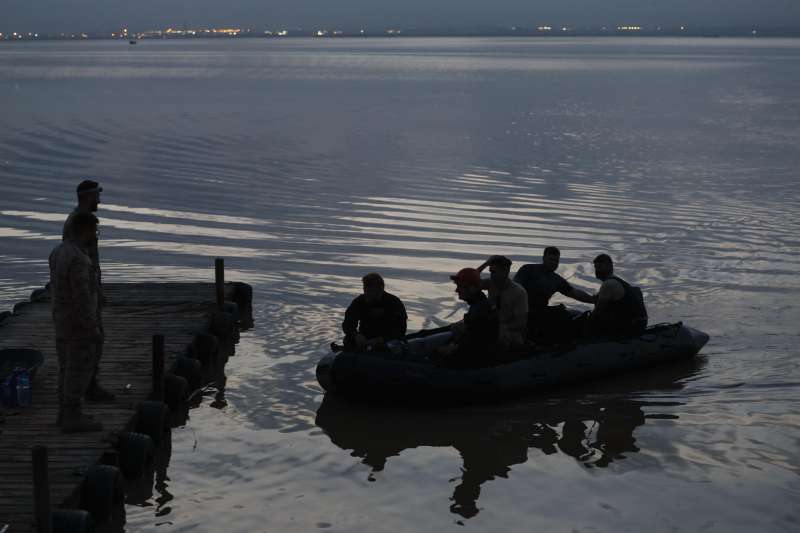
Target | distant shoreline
(404,37)
(541,32)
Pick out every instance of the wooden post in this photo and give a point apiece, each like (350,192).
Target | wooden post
(41,489)
(158,367)
(219,275)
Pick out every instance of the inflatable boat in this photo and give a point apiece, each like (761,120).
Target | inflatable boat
(407,373)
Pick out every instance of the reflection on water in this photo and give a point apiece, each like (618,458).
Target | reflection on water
(308,162)
(151,492)
(593,430)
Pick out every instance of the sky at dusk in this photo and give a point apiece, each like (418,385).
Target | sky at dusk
(102,15)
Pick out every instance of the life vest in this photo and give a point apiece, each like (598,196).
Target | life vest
(629,311)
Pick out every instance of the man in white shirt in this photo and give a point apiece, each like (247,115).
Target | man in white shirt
(510,301)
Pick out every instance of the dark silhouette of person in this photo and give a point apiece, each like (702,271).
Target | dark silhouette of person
(373,317)
(75,311)
(88,192)
(475,337)
(510,302)
(620,310)
(541,281)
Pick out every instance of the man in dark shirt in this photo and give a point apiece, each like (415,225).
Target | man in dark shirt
(374,317)
(542,282)
(474,338)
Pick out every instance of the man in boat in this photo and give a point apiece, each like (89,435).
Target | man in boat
(88,200)
(510,302)
(475,337)
(620,310)
(374,317)
(541,282)
(73,287)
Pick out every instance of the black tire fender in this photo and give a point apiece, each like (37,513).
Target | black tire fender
(102,491)
(176,390)
(135,453)
(223,324)
(232,308)
(71,521)
(190,369)
(204,347)
(152,419)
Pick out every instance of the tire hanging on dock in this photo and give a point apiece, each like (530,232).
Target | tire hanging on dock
(103,491)
(71,521)
(152,419)
(135,454)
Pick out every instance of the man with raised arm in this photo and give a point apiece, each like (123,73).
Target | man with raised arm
(510,302)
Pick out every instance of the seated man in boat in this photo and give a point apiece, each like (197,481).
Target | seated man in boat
(620,310)
(510,302)
(475,337)
(541,282)
(374,317)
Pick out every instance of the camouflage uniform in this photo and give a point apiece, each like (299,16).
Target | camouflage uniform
(73,285)
(93,253)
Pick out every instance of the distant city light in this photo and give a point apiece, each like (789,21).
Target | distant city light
(223,32)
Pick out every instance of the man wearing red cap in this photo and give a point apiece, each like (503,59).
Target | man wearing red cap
(475,337)
(88,200)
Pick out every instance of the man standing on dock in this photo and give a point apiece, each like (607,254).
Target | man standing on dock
(73,286)
(88,200)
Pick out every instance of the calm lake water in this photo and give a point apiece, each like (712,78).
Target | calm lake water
(307,163)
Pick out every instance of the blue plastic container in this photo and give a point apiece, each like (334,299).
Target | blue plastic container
(16,389)
(23,389)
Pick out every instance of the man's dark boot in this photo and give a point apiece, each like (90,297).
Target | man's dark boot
(98,394)
(73,421)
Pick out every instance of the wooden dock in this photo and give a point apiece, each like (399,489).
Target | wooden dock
(132,315)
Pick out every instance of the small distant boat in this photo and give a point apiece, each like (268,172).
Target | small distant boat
(131,42)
